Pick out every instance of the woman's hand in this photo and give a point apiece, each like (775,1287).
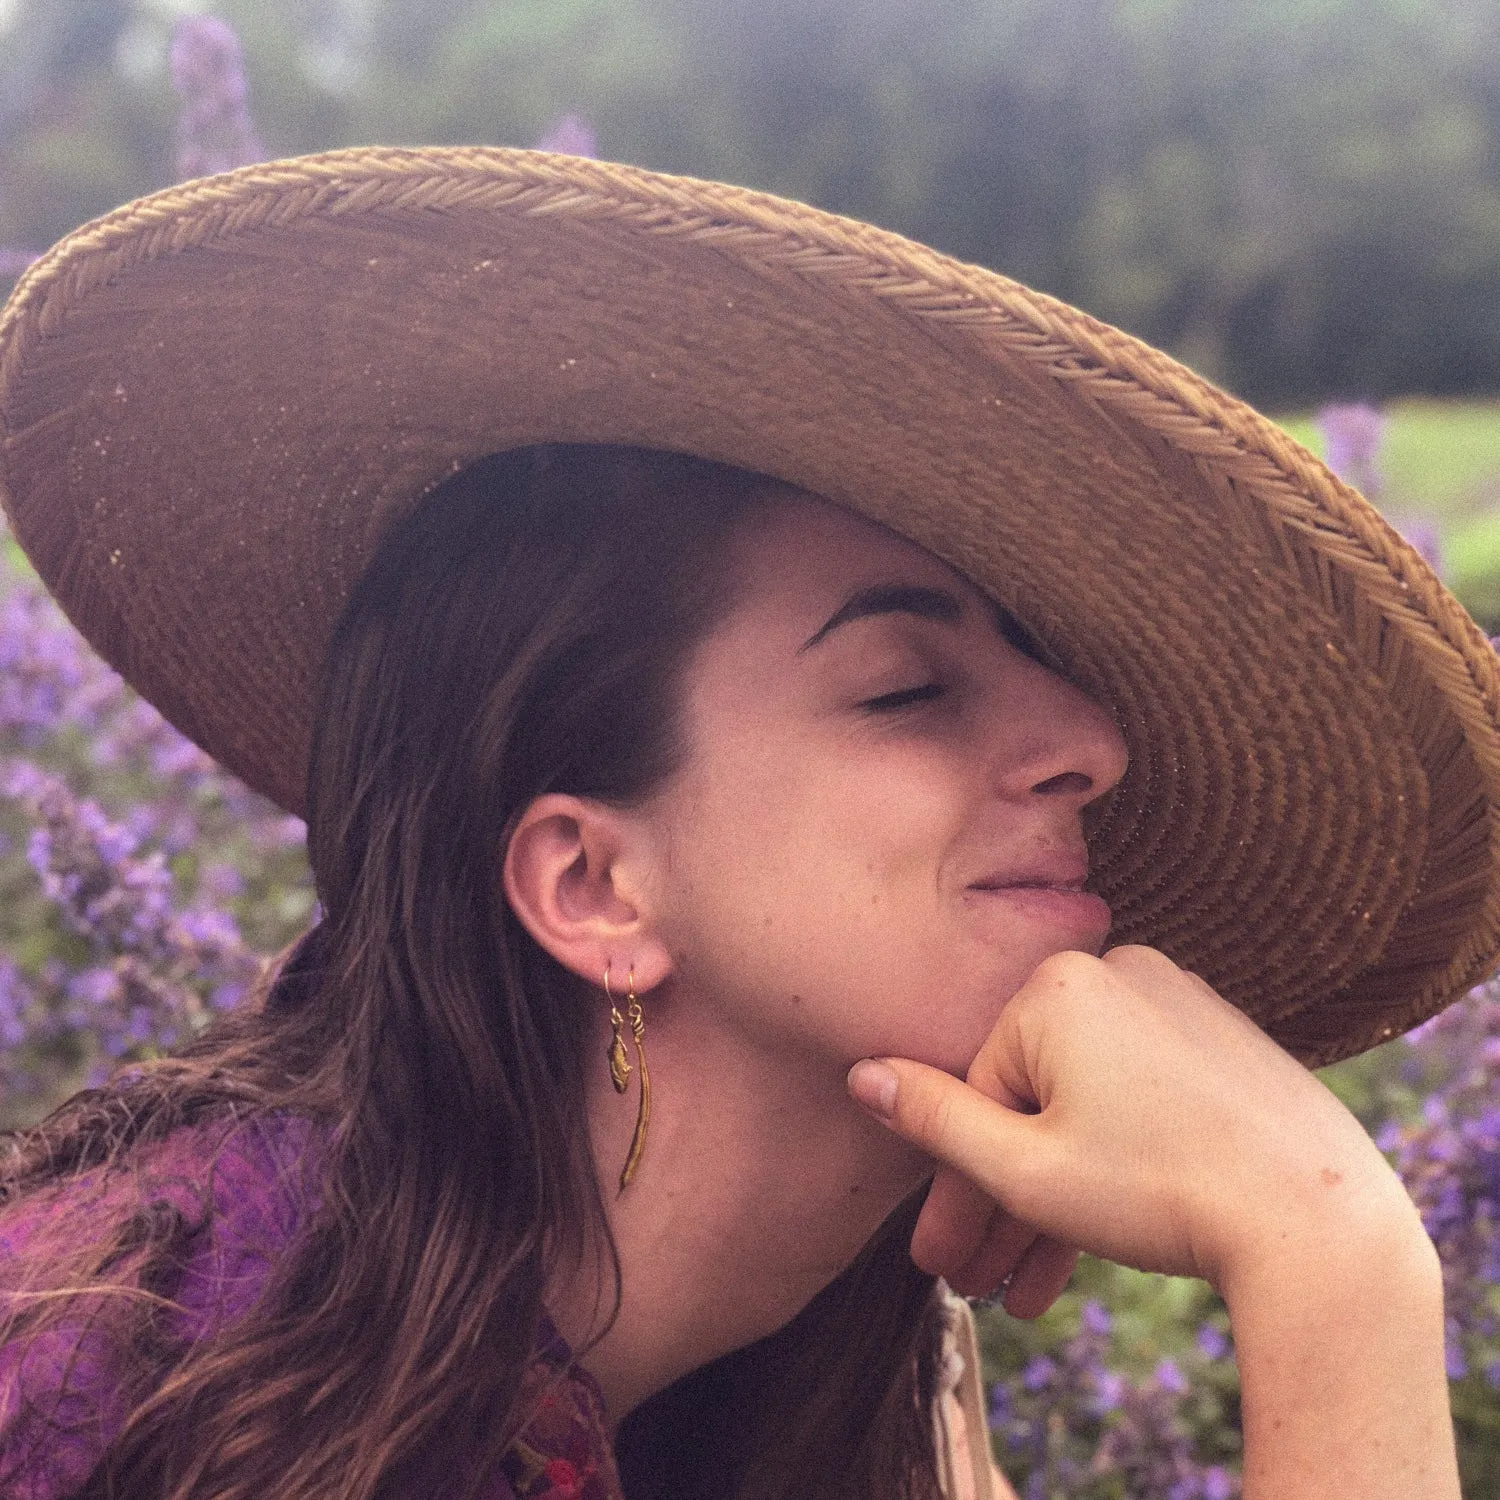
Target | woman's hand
(1122,1107)
(1119,1105)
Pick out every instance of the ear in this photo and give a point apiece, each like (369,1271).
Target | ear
(576,876)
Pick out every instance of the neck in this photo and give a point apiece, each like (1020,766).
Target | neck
(760,1182)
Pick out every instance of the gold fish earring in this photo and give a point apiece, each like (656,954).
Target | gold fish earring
(620,1069)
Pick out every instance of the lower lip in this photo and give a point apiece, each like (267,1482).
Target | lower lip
(1078,909)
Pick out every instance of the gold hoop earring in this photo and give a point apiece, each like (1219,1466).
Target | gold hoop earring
(620,1069)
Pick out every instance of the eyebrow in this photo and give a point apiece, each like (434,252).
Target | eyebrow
(891,599)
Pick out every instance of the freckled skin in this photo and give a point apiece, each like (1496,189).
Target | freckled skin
(819,853)
(870,760)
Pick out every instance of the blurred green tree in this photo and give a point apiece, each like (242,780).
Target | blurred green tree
(1300,197)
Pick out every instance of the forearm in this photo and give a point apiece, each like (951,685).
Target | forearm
(1170,1134)
(1344,1389)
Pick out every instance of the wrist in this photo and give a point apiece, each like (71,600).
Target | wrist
(1342,1374)
(1392,1263)
(1336,1238)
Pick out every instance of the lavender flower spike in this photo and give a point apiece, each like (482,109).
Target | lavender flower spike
(571,135)
(1353,432)
(214,129)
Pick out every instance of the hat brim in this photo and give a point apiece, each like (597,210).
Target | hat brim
(214,401)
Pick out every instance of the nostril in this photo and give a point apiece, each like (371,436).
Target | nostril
(1068,784)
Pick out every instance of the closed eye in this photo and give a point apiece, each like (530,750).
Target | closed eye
(905,698)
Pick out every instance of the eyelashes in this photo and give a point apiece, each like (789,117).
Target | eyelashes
(905,698)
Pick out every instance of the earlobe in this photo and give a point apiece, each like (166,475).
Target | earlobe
(573,875)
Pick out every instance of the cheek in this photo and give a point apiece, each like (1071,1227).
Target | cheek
(815,905)
(843,841)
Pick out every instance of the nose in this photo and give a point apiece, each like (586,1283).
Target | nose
(1068,747)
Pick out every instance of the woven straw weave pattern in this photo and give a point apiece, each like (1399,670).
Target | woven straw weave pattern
(1398,632)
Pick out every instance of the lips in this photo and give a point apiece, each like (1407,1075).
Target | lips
(1062,872)
(1050,888)
(1028,885)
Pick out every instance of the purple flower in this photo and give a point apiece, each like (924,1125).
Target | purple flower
(571,135)
(208,928)
(17,1003)
(13,262)
(94,987)
(1211,1342)
(1218,1483)
(1109,1391)
(1095,1319)
(220,881)
(227,996)
(1448,1155)
(214,129)
(1424,535)
(1078,1424)
(131,862)
(1353,432)
(1001,1409)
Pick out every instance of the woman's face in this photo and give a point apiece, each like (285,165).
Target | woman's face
(875,835)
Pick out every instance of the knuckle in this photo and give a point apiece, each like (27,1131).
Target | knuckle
(1138,958)
(1063,970)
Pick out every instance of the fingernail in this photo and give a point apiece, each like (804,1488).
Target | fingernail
(874,1085)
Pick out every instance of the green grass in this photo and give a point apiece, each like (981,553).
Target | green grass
(1441,462)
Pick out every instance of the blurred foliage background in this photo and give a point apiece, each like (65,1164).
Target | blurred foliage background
(1300,197)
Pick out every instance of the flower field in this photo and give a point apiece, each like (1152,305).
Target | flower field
(140,885)
(142,888)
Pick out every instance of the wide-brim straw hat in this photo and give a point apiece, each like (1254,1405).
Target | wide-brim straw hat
(215,400)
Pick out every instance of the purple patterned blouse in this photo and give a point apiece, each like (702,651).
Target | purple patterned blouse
(260,1198)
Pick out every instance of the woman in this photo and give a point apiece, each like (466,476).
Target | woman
(732,727)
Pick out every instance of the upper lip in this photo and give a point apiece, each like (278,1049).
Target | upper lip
(1062,870)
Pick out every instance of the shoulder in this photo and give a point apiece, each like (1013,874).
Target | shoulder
(219,1201)
(258,1186)
(203,1169)
(231,1194)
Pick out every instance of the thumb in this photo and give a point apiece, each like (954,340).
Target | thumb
(999,1149)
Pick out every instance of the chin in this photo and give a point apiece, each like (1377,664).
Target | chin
(954,1054)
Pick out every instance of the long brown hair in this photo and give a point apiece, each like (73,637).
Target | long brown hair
(523,631)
